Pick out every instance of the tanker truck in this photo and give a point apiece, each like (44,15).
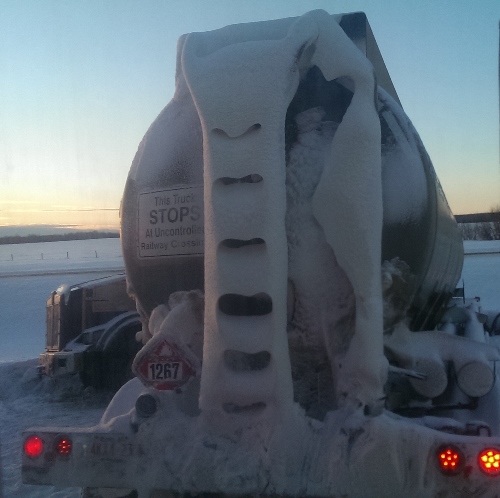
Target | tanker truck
(294,263)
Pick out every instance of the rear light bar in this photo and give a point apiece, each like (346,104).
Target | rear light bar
(450,459)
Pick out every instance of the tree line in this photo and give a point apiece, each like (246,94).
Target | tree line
(32,238)
(480,231)
(482,226)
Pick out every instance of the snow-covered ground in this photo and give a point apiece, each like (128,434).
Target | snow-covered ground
(481,272)
(52,258)
(30,272)
(26,281)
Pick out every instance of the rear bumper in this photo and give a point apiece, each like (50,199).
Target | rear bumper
(380,457)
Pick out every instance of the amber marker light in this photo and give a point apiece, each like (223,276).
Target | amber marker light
(450,460)
(33,446)
(489,461)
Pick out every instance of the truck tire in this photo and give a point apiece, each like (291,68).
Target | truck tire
(108,364)
(92,374)
(118,355)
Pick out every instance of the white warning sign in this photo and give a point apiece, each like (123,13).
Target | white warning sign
(171,222)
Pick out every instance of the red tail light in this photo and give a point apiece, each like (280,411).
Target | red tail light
(489,461)
(33,446)
(63,446)
(450,460)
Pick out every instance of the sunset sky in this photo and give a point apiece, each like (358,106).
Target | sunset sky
(81,81)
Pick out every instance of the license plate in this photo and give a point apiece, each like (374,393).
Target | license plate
(114,448)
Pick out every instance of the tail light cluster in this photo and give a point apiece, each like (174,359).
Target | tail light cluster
(451,460)
(489,461)
(34,446)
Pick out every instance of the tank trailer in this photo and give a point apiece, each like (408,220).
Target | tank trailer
(294,263)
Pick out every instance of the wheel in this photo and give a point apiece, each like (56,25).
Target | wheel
(108,365)
(118,356)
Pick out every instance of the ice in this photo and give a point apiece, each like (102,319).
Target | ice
(323,299)
(430,352)
(242,110)
(348,205)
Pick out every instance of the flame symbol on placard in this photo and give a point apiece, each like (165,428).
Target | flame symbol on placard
(165,350)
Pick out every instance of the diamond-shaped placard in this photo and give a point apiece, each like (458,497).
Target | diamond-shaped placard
(166,367)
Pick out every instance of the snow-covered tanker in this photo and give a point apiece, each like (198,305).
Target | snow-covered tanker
(294,262)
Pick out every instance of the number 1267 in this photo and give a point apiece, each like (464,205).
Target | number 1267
(164,371)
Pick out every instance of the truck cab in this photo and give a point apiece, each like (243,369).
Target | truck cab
(91,328)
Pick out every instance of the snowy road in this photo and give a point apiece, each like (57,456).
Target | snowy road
(26,401)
